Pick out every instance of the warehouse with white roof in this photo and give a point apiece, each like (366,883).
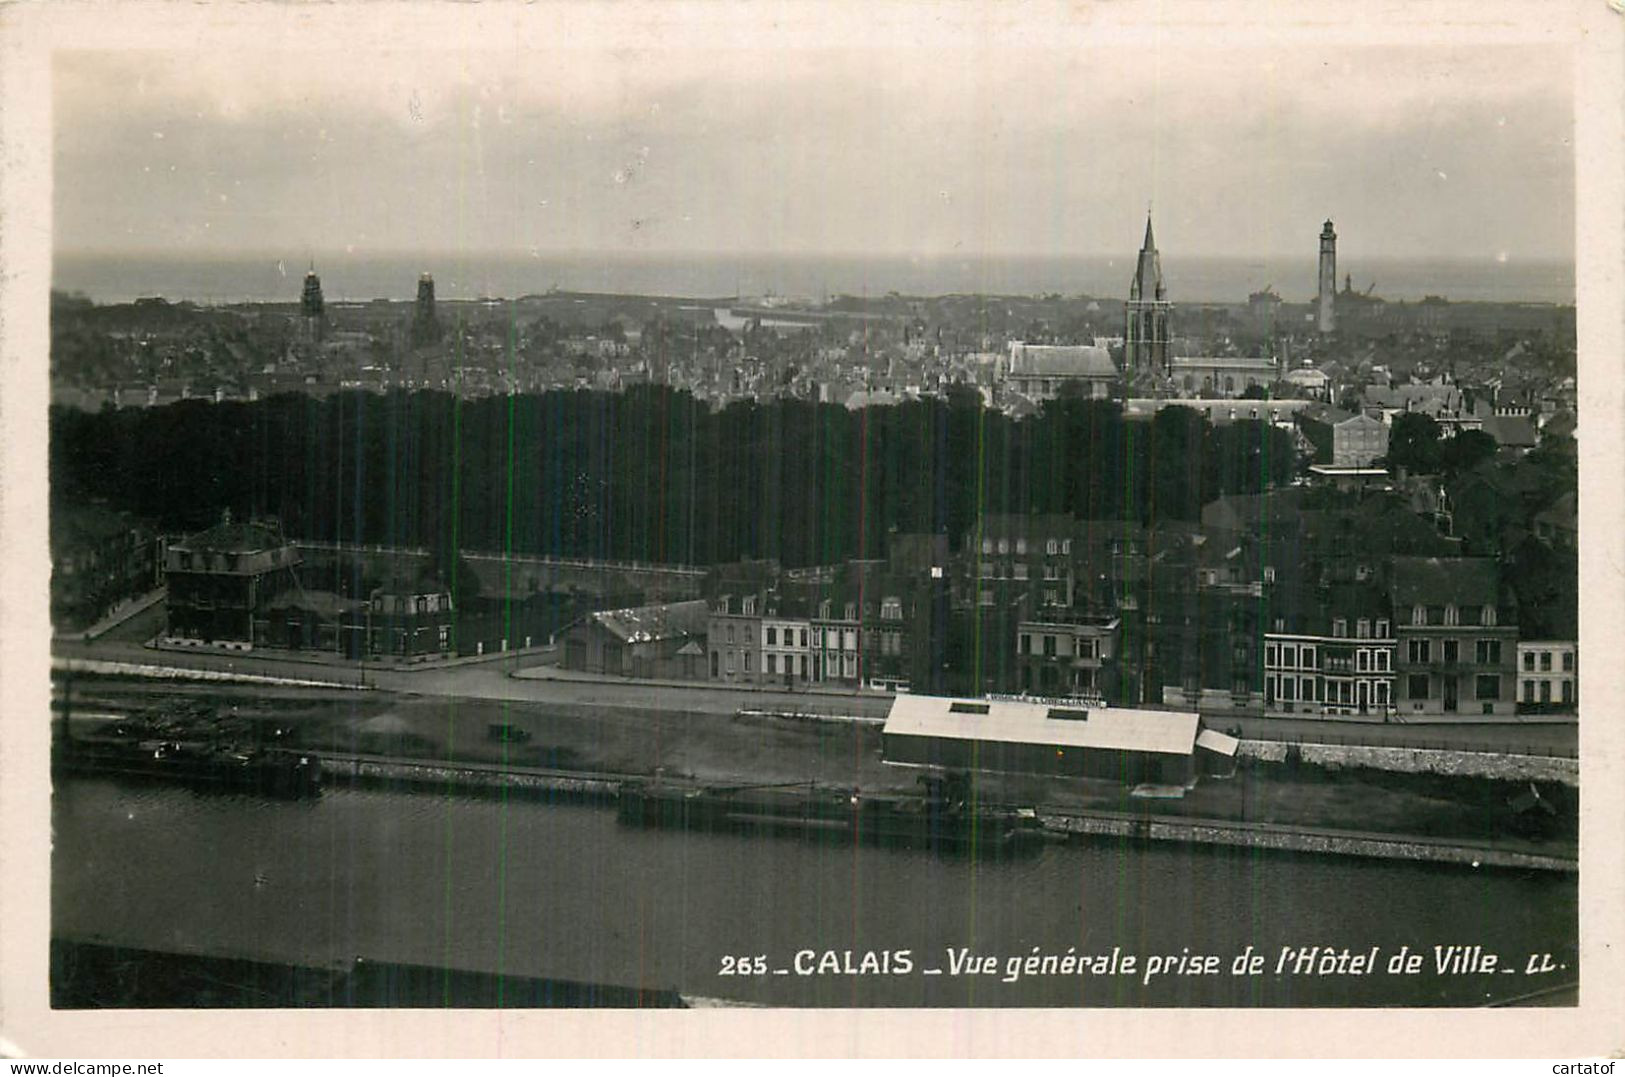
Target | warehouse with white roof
(1136,746)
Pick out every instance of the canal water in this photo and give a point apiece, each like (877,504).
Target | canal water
(566,892)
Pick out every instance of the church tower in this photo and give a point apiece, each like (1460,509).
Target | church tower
(1327,321)
(1145,315)
(311,306)
(425,322)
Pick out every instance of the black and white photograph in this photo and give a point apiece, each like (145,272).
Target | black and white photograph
(932,507)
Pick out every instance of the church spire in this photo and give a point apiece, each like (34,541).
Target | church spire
(1148,273)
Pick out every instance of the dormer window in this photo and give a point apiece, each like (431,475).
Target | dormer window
(1489,615)
(1451,615)
(1419,615)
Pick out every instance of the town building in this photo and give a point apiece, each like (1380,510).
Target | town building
(219,579)
(1455,638)
(1359,442)
(99,558)
(1068,655)
(665,641)
(1223,377)
(1548,675)
(1330,651)
(1134,747)
(412,616)
(732,631)
(1146,314)
(1048,371)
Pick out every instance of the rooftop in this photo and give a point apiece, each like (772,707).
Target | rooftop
(1060,361)
(645,624)
(1104,729)
(1445,581)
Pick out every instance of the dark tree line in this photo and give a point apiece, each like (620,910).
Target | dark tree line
(649,474)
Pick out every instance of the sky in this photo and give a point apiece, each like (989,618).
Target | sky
(750,143)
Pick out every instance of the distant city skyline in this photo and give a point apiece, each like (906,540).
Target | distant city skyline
(752,148)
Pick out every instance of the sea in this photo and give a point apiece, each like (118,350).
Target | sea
(359,276)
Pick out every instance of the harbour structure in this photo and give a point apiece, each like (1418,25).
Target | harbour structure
(1062,738)
(1326,313)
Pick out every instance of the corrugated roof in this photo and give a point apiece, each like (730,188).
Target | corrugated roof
(1105,729)
(644,624)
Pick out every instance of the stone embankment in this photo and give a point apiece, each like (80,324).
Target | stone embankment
(1264,836)
(1539,768)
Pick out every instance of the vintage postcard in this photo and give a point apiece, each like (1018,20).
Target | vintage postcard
(806,529)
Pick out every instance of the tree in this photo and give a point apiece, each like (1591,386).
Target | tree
(1413,443)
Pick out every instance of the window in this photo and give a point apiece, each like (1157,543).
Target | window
(1528,691)
(1416,686)
(1308,658)
(1529,661)
(1568,692)
(1451,615)
(891,609)
(714,663)
(1452,650)
(1049,646)
(730,663)
(445,637)
(1487,616)
(1269,573)
(1340,628)
(1382,630)
(1545,661)
(748,608)
(772,663)
(1288,689)
(1021,546)
(1382,693)
(1308,690)
(1489,686)
(1545,691)
(1289,657)
(851,611)
(1363,660)
(987,545)
(1021,570)
(1420,650)
(748,666)
(803,637)
(1363,628)
(1280,624)
(1269,654)
(1052,598)
(1382,661)
(1488,652)
(772,636)
(1568,661)
(1066,546)
(730,633)
(1025,644)
(851,640)
(1004,545)
(1051,547)
(1419,615)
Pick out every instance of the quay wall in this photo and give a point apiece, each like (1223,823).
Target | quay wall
(1465,764)
(1207,832)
